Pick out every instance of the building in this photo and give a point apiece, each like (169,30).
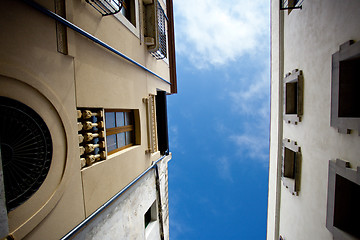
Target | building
(314,172)
(84,141)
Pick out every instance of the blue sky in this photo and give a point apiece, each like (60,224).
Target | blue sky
(219,120)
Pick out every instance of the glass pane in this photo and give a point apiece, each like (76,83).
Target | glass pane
(111,142)
(110,119)
(119,119)
(121,139)
(128,118)
(129,137)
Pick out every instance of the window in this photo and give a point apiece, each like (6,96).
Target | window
(120,129)
(129,16)
(128,11)
(291,166)
(293,94)
(151,223)
(162,125)
(345,85)
(343,209)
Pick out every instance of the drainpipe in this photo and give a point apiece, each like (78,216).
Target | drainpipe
(160,214)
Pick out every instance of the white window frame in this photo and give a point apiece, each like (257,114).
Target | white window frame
(134,29)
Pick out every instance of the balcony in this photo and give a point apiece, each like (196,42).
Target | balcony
(161,52)
(106,7)
(291,4)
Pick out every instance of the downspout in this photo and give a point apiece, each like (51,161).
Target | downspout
(157,182)
(116,196)
(172,56)
(88,35)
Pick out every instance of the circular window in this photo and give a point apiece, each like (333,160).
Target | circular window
(26,149)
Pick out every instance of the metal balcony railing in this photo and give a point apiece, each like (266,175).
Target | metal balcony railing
(161,53)
(106,7)
(290,4)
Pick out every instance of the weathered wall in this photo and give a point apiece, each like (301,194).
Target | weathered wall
(124,218)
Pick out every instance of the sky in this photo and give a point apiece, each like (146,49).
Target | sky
(219,120)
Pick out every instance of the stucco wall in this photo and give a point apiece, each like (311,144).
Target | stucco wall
(89,76)
(311,36)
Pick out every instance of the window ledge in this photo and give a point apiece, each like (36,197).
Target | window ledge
(122,152)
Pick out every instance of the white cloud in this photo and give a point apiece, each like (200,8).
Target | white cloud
(223,166)
(216,32)
(256,146)
(253,100)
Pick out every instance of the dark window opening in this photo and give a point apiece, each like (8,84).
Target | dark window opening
(291,166)
(26,148)
(347,207)
(345,86)
(128,10)
(349,87)
(162,124)
(289,163)
(150,215)
(291,98)
(147,217)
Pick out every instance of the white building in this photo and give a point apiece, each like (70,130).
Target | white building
(314,176)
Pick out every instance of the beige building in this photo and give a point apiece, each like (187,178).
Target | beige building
(84,144)
(314,175)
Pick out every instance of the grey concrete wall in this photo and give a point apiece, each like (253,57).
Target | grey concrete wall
(124,218)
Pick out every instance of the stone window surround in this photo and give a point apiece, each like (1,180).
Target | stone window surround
(292,184)
(347,51)
(343,169)
(134,29)
(295,77)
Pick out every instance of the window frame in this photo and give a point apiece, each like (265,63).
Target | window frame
(295,77)
(121,129)
(291,183)
(348,51)
(135,29)
(151,219)
(343,169)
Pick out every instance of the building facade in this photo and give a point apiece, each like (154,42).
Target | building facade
(314,171)
(84,142)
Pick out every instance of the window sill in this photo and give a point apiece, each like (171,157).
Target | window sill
(122,151)
(128,24)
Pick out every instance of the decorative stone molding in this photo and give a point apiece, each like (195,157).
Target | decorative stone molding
(291,165)
(345,97)
(293,96)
